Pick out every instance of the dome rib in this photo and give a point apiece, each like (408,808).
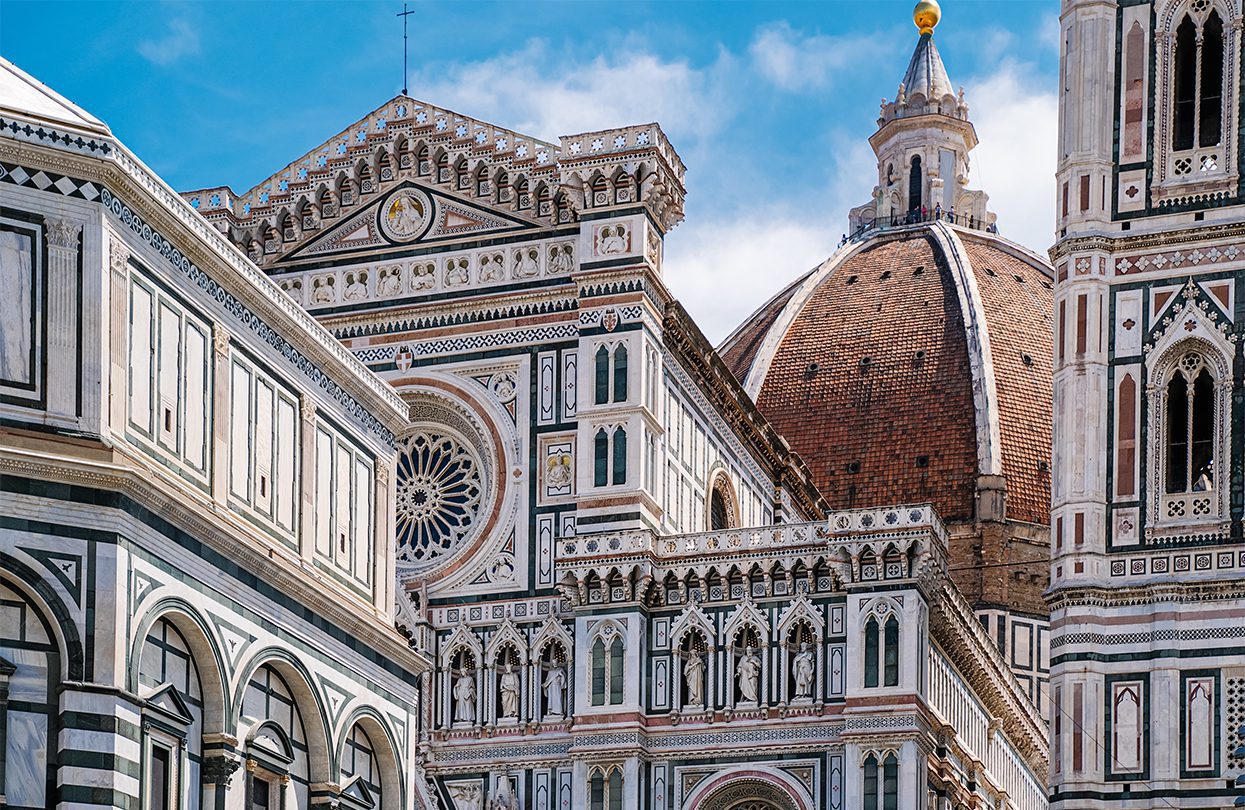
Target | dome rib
(980,358)
(901,369)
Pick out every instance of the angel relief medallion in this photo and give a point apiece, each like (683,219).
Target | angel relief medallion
(405,215)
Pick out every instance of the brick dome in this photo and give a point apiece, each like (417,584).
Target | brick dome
(912,366)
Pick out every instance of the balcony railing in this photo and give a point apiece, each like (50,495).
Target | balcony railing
(872,222)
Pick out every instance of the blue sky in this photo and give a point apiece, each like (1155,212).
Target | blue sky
(769,104)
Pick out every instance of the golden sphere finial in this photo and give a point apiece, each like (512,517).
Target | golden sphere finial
(926,15)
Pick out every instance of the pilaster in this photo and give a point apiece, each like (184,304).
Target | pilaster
(63,290)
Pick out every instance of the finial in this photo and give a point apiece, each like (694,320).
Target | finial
(926,16)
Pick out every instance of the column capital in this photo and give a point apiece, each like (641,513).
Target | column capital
(63,233)
(220,339)
(118,256)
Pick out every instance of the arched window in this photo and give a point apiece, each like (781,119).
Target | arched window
(722,506)
(605,792)
(29,715)
(620,456)
(916,180)
(359,763)
(870,786)
(890,783)
(607,672)
(600,458)
(891,653)
(719,516)
(276,751)
(1197,82)
(620,374)
(602,376)
(169,679)
(871,652)
(1190,451)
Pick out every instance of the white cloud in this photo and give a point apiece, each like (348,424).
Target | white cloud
(722,270)
(1016,115)
(181,40)
(546,94)
(796,61)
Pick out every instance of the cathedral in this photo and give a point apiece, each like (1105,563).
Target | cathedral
(401,480)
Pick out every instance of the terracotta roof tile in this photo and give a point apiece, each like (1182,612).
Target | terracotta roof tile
(871,384)
(1018,302)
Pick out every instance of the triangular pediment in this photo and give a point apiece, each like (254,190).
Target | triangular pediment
(355,793)
(409,214)
(168,702)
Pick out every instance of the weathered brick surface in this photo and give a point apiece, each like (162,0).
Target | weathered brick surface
(871,384)
(742,349)
(1019,302)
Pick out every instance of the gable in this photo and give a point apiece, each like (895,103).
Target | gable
(409,214)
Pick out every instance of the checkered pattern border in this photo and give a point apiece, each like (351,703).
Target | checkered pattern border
(48,181)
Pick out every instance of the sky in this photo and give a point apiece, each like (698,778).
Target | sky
(770,104)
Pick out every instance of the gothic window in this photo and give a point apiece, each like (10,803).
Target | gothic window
(890,783)
(1198,82)
(602,376)
(620,374)
(620,456)
(1190,451)
(881,650)
(870,786)
(607,672)
(915,183)
(610,375)
(605,789)
(609,457)
(600,458)
(890,676)
(1185,81)
(871,653)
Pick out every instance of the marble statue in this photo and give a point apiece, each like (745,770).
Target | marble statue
(694,676)
(748,675)
(509,686)
(465,697)
(803,668)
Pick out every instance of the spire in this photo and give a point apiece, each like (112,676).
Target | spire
(926,74)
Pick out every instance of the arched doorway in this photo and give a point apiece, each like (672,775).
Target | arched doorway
(760,789)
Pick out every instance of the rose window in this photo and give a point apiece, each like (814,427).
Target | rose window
(438,495)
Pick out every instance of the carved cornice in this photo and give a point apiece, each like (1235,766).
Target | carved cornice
(690,347)
(1103,597)
(957,630)
(1143,241)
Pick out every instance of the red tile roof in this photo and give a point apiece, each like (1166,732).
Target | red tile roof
(872,383)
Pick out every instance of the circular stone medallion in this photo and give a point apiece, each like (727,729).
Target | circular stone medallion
(405,214)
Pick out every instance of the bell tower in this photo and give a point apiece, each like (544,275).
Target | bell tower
(923,141)
(1148,574)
